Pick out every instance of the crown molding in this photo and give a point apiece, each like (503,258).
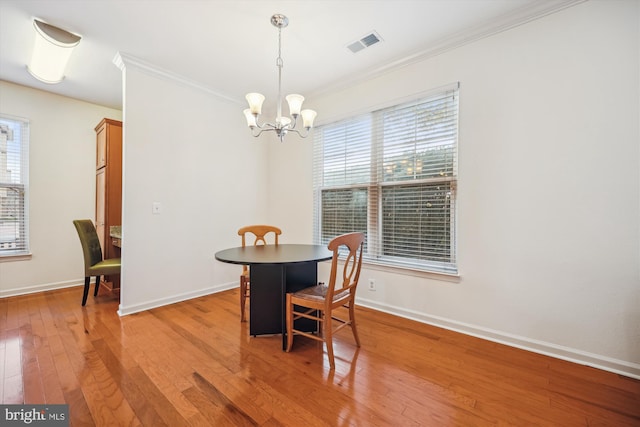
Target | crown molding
(521,16)
(123,60)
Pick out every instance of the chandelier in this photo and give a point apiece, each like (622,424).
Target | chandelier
(282,125)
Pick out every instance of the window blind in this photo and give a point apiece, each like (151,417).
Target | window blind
(392,174)
(14,176)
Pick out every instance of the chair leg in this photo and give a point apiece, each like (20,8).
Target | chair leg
(328,338)
(85,293)
(352,320)
(243,298)
(289,322)
(95,291)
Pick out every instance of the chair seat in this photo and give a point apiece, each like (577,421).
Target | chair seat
(318,293)
(106,267)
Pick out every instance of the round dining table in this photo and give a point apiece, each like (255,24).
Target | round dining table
(274,271)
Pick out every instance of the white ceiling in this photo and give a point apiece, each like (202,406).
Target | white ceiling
(229,46)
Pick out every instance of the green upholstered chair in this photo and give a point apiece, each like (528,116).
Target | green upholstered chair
(94,265)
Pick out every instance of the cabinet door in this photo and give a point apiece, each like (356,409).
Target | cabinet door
(100,206)
(101,154)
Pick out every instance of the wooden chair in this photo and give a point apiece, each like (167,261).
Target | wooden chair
(259,232)
(94,265)
(318,302)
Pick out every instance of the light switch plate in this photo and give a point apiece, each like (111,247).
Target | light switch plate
(156,208)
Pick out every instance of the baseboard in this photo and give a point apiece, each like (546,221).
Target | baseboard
(621,367)
(41,288)
(125,310)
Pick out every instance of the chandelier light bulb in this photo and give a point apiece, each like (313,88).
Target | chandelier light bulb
(295,103)
(308,116)
(283,121)
(255,101)
(251,119)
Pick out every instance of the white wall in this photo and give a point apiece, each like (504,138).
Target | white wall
(549,190)
(190,151)
(61,184)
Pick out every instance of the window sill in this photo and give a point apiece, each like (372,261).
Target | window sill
(16,257)
(407,271)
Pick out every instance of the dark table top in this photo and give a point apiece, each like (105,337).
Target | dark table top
(274,254)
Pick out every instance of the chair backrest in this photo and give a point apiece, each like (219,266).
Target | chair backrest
(259,232)
(346,285)
(90,242)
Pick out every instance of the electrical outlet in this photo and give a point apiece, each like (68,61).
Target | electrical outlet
(372,285)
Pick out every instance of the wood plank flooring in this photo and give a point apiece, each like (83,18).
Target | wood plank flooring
(194,364)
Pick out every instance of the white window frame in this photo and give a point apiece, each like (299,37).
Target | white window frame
(14,188)
(351,178)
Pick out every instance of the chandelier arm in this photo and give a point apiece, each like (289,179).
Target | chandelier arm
(263,129)
(254,134)
(269,126)
(257,125)
(281,133)
(293,121)
(300,134)
(265,126)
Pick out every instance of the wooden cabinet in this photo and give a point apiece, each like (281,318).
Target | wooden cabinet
(101,152)
(109,188)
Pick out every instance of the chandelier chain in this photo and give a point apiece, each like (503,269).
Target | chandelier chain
(279,64)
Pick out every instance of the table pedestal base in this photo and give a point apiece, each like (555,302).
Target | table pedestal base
(269,285)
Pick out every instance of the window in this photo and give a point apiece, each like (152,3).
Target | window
(14,177)
(392,174)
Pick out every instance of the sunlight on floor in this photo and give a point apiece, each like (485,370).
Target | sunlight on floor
(11,391)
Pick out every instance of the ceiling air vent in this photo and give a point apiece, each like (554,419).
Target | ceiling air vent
(366,41)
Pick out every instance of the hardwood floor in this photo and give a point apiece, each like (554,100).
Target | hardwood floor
(194,364)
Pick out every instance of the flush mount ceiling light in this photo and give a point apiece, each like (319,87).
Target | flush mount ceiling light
(51,52)
(282,125)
